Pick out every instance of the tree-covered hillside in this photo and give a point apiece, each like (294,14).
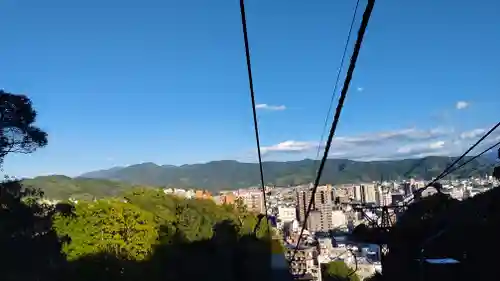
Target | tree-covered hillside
(141,235)
(220,175)
(227,174)
(130,233)
(62,187)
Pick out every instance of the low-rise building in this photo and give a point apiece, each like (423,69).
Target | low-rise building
(305,261)
(287,214)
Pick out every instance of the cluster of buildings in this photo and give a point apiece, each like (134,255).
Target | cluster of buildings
(252,198)
(326,235)
(333,216)
(190,193)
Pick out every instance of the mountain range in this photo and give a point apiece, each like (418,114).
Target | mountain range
(229,174)
(63,187)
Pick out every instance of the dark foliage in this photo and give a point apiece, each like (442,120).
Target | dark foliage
(439,227)
(338,271)
(17,131)
(31,249)
(223,257)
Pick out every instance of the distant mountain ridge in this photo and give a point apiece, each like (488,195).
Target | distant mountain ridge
(230,174)
(63,187)
(491,156)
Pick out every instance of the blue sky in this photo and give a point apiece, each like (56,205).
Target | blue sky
(124,82)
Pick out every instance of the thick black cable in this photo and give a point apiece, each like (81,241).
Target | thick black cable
(447,170)
(355,260)
(405,175)
(254,110)
(345,88)
(487,166)
(467,151)
(472,159)
(356,263)
(336,83)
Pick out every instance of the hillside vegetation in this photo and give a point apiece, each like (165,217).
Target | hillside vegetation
(227,174)
(63,187)
(147,236)
(224,175)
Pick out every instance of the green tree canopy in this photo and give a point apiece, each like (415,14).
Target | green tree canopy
(108,226)
(30,247)
(145,234)
(18,134)
(338,271)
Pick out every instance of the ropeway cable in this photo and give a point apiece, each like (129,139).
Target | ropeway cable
(486,166)
(339,71)
(473,158)
(345,88)
(449,170)
(254,110)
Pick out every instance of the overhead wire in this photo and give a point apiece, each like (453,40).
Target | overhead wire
(254,109)
(355,262)
(334,92)
(452,168)
(418,164)
(474,158)
(486,166)
(345,88)
(447,227)
(447,170)
(467,151)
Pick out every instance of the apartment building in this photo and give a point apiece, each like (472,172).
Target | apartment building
(321,218)
(227,198)
(287,214)
(365,193)
(253,200)
(202,194)
(339,218)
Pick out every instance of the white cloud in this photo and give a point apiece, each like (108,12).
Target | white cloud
(365,140)
(264,106)
(397,144)
(360,89)
(289,146)
(421,147)
(462,105)
(436,145)
(473,134)
(410,134)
